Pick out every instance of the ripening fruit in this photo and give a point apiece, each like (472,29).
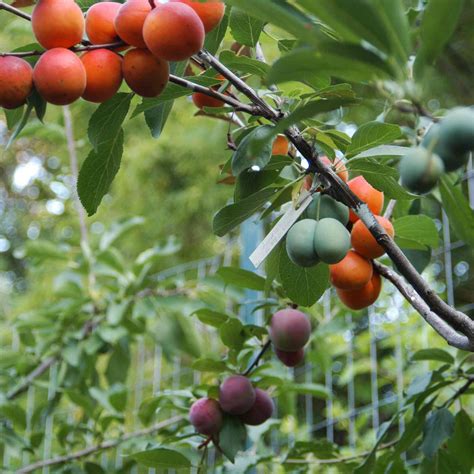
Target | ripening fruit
(100,22)
(144,73)
(173,31)
(104,74)
(16,81)
(129,22)
(290,358)
(300,243)
(280,145)
(236,395)
(60,76)
(201,100)
(289,329)
(332,240)
(261,410)
(364,242)
(57,23)
(210,12)
(324,206)
(206,416)
(338,166)
(353,272)
(420,170)
(240,49)
(366,193)
(362,297)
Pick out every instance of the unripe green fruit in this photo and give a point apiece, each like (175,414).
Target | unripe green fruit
(420,170)
(457,129)
(327,207)
(332,240)
(300,243)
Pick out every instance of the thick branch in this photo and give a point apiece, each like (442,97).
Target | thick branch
(441,327)
(15,11)
(100,447)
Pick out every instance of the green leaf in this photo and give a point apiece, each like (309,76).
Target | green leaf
(214,38)
(13,116)
(315,389)
(106,122)
(118,230)
(440,19)
(389,185)
(461,217)
(382,151)
(245,29)
(250,182)
(460,443)
(162,458)
(232,215)
(244,64)
(416,229)
(232,437)
(438,428)
(433,354)
(38,103)
(211,318)
(209,365)
(20,126)
(304,286)
(243,278)
(371,135)
(232,334)
(254,150)
(348,62)
(98,171)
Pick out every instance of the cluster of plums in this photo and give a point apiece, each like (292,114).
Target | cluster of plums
(289,330)
(331,233)
(445,147)
(172,31)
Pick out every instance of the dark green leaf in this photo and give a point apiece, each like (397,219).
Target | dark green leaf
(438,427)
(460,443)
(211,318)
(433,354)
(244,28)
(214,38)
(20,125)
(162,458)
(13,116)
(250,182)
(419,229)
(38,103)
(371,135)
(232,437)
(240,277)
(98,172)
(244,64)
(209,365)
(232,334)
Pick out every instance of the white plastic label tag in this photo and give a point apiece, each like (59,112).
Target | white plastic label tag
(280,229)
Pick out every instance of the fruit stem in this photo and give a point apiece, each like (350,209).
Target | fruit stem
(257,359)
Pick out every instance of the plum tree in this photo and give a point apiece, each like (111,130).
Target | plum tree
(290,358)
(206,416)
(352,273)
(366,193)
(280,145)
(210,12)
(332,240)
(59,76)
(323,206)
(261,410)
(362,297)
(300,243)
(104,74)
(144,73)
(16,81)
(289,330)
(364,242)
(236,395)
(130,20)
(173,32)
(57,23)
(420,170)
(100,22)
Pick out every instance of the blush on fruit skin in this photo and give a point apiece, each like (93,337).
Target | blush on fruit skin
(173,32)
(290,329)
(100,22)
(261,410)
(130,20)
(280,146)
(60,76)
(364,242)
(104,74)
(236,395)
(290,358)
(363,297)
(201,100)
(206,416)
(144,73)
(210,12)
(57,23)
(352,273)
(16,82)
(366,193)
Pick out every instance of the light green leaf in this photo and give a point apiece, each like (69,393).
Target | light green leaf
(438,428)
(161,458)
(243,278)
(419,229)
(232,334)
(315,389)
(209,365)
(371,135)
(245,29)
(244,64)
(210,317)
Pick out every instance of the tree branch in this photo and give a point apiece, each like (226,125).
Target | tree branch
(15,11)
(100,447)
(441,327)
(255,362)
